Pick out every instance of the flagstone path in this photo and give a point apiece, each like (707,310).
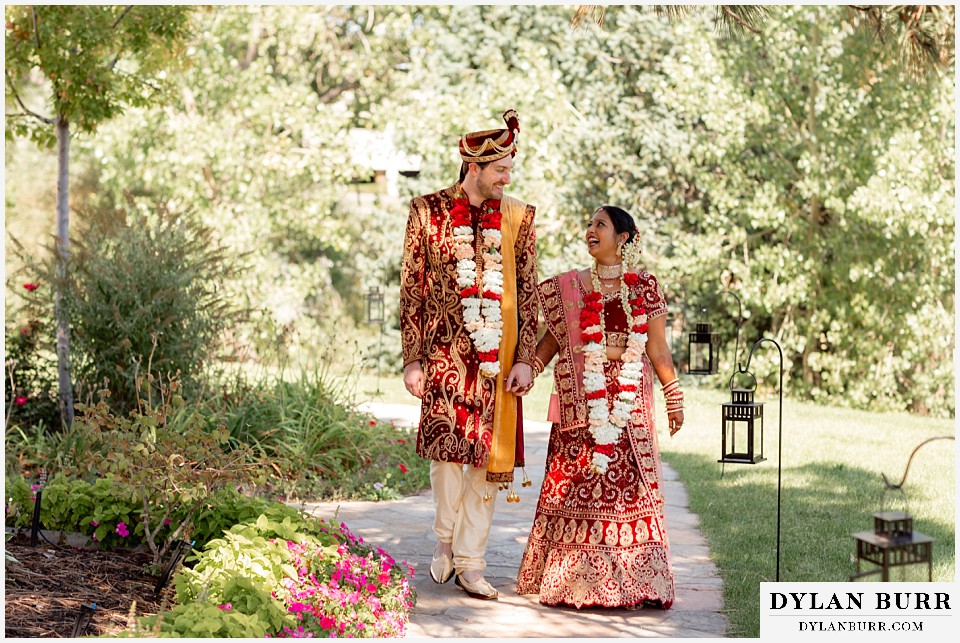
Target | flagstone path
(403,528)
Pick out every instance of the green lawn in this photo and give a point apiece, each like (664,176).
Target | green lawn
(831,485)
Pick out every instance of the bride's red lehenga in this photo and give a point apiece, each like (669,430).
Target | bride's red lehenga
(597,539)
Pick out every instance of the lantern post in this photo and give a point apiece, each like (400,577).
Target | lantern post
(744,369)
(893,541)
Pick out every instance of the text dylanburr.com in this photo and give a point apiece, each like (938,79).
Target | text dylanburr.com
(848,611)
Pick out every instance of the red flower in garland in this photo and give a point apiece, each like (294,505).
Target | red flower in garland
(469,291)
(631,278)
(605,449)
(460,212)
(589,318)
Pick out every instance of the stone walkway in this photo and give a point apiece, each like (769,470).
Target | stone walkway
(403,528)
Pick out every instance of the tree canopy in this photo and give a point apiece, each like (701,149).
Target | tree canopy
(800,167)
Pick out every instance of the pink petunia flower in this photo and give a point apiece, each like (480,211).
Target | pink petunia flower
(226,607)
(21,400)
(122,530)
(31,287)
(326,622)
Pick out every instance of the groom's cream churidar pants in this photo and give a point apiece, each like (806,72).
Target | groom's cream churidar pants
(462,516)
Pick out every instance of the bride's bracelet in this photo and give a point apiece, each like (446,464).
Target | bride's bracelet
(538,366)
(670,387)
(674,398)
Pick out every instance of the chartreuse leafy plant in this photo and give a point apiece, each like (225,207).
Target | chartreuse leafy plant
(297,577)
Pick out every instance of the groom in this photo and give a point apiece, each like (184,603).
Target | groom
(468,320)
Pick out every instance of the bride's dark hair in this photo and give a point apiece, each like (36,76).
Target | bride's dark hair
(622,221)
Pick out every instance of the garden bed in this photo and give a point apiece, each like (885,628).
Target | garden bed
(44,591)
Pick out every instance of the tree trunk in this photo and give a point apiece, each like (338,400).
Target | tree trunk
(63,254)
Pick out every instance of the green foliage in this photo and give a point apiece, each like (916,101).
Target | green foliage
(786,166)
(832,461)
(97,60)
(145,295)
(318,444)
(73,505)
(281,573)
(201,620)
(30,394)
(168,455)
(154,471)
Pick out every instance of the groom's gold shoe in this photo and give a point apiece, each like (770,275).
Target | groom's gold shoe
(478,589)
(441,568)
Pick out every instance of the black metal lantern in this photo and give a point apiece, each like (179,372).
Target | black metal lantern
(742,426)
(374,306)
(702,350)
(893,542)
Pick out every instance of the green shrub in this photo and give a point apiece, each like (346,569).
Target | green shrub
(31,391)
(154,471)
(319,444)
(200,620)
(143,294)
(169,456)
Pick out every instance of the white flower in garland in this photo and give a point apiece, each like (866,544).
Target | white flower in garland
(480,289)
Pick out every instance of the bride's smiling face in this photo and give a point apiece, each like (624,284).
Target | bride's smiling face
(602,238)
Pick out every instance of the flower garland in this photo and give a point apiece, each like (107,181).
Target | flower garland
(480,291)
(606,427)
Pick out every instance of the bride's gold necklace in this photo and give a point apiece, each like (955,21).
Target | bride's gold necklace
(609,272)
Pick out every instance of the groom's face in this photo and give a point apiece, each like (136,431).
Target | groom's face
(492,179)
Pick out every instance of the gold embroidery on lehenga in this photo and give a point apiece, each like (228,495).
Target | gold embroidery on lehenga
(610,535)
(596,532)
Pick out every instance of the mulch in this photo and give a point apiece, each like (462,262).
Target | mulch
(44,591)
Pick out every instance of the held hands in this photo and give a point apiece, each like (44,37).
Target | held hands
(413,378)
(520,380)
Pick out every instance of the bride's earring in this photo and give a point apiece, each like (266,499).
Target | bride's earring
(620,250)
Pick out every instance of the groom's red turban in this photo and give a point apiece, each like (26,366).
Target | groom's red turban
(490,145)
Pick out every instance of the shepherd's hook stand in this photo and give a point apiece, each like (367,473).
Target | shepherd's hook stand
(743,369)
